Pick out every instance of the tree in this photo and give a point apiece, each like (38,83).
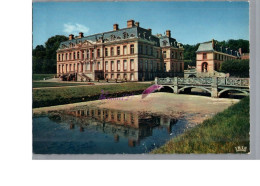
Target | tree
(236,68)
(44,57)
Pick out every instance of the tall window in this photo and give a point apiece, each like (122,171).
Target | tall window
(146,65)
(204,55)
(132,64)
(180,55)
(87,54)
(78,55)
(151,51)
(176,55)
(112,51)
(151,65)
(92,53)
(118,65)
(74,55)
(172,54)
(125,65)
(112,66)
(132,49)
(106,65)
(106,52)
(125,50)
(70,56)
(164,54)
(88,66)
(98,52)
(98,66)
(146,49)
(140,49)
(118,50)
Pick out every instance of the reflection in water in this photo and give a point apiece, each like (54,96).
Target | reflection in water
(103,131)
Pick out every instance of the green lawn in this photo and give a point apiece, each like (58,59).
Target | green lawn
(220,134)
(36,77)
(65,95)
(54,84)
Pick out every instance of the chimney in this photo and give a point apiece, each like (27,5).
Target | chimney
(81,35)
(137,24)
(150,30)
(168,33)
(115,27)
(240,51)
(213,43)
(71,36)
(130,23)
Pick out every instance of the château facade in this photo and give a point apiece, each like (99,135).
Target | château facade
(131,53)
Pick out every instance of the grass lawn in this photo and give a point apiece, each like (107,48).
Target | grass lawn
(36,77)
(220,134)
(54,84)
(65,95)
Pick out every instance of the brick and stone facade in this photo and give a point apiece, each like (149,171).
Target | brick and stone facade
(209,57)
(131,53)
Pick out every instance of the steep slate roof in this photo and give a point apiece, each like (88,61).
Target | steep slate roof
(207,47)
(133,32)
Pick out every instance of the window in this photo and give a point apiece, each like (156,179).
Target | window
(78,55)
(132,64)
(112,51)
(132,49)
(180,55)
(158,66)
(106,52)
(125,65)
(118,65)
(204,56)
(98,52)
(176,55)
(164,54)
(164,66)
(140,49)
(146,49)
(70,56)
(151,51)
(74,55)
(106,66)
(88,66)
(140,65)
(112,65)
(92,53)
(66,56)
(125,50)
(172,54)
(98,67)
(118,76)
(87,54)
(146,65)
(151,65)
(112,77)
(118,50)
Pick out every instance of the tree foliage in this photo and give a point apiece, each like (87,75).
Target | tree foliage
(44,57)
(236,68)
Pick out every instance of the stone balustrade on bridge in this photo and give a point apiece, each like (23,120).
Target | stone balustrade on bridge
(213,85)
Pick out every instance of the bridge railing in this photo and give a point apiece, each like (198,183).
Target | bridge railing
(219,81)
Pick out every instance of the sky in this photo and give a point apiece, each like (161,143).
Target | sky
(189,22)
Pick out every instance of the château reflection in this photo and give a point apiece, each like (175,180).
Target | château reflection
(119,124)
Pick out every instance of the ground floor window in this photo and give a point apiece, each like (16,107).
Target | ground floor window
(204,67)
(132,77)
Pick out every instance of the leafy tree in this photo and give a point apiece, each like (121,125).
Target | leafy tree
(236,68)
(44,57)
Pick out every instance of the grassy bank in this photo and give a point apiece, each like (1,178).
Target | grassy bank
(54,84)
(66,95)
(220,134)
(36,77)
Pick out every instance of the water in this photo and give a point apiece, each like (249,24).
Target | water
(102,131)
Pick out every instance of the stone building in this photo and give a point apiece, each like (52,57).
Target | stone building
(131,53)
(209,57)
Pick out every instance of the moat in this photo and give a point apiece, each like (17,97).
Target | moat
(120,127)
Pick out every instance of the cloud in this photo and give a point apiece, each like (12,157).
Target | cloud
(70,28)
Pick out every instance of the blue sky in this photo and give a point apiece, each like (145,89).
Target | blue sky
(190,22)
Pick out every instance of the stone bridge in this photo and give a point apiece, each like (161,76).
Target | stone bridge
(216,86)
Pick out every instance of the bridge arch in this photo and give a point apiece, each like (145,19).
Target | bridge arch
(245,92)
(203,88)
(166,87)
